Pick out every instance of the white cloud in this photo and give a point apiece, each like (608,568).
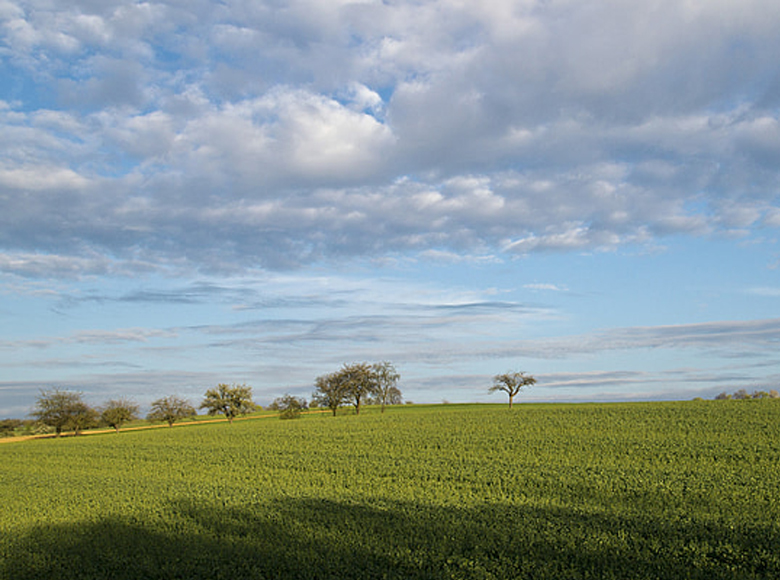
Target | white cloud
(765,291)
(363,98)
(66,266)
(325,141)
(93,337)
(546,287)
(36,179)
(369,129)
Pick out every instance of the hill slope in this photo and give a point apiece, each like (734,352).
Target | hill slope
(651,490)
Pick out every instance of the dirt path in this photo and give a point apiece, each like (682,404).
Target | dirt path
(142,427)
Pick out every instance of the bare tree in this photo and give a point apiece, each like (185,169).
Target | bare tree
(385,379)
(511,383)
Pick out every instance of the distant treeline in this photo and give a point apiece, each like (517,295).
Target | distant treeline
(742,395)
(11,427)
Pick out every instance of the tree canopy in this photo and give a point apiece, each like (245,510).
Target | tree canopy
(330,391)
(288,406)
(171,409)
(385,379)
(358,383)
(230,401)
(511,383)
(742,394)
(64,410)
(117,412)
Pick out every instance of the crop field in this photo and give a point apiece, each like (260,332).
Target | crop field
(646,490)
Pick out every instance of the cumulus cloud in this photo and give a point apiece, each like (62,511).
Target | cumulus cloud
(235,135)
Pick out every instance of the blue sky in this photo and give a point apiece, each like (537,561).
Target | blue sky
(258,192)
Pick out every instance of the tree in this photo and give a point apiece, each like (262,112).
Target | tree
(385,379)
(394,397)
(229,401)
(64,410)
(330,391)
(83,417)
(511,383)
(289,407)
(360,383)
(9,426)
(171,409)
(117,412)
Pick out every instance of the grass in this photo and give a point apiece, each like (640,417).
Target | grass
(651,490)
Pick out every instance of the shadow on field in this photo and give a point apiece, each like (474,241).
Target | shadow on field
(320,539)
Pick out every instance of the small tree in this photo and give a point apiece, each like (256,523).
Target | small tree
(117,412)
(229,401)
(511,383)
(171,409)
(385,379)
(64,410)
(331,391)
(84,417)
(360,382)
(289,407)
(394,397)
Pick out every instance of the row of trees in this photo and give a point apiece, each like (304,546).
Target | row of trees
(742,394)
(67,411)
(357,384)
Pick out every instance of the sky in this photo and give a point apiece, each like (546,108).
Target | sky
(196,192)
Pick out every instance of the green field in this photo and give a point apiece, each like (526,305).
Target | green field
(648,490)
